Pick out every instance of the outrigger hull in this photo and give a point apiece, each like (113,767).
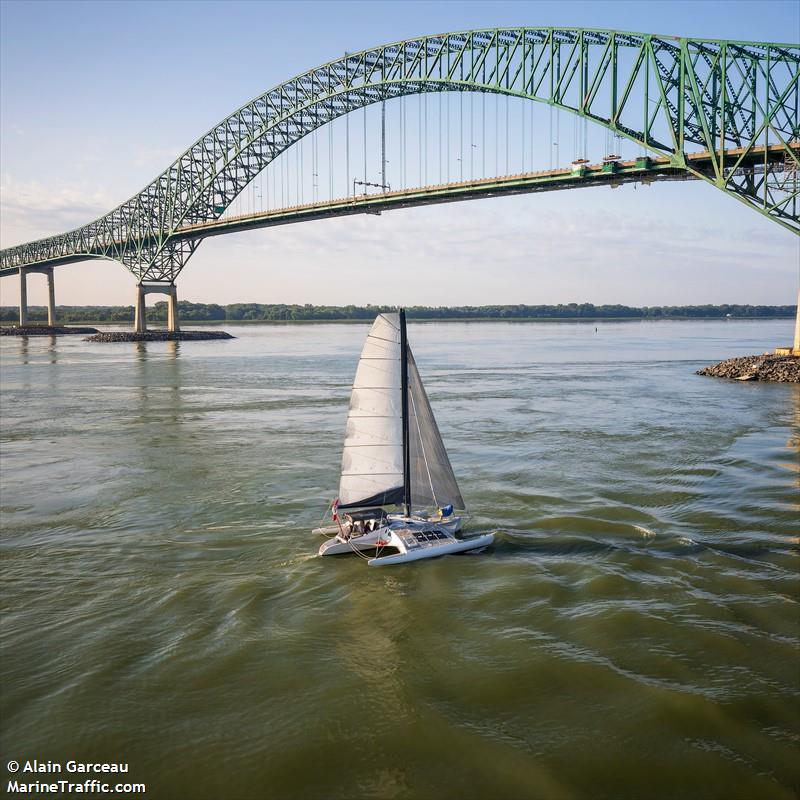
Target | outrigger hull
(367,541)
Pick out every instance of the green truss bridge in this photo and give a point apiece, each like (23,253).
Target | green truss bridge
(723,113)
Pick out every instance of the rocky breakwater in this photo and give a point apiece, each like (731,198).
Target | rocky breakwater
(767,367)
(43,330)
(158,336)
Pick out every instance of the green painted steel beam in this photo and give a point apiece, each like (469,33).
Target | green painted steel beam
(645,170)
(671,95)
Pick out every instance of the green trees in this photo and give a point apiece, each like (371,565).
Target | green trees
(279,312)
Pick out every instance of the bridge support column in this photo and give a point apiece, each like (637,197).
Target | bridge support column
(23,297)
(169,289)
(796,345)
(172,309)
(140,317)
(51,298)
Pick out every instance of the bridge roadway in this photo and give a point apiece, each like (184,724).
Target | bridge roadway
(645,169)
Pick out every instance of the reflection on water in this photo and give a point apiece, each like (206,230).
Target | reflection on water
(632,634)
(793,443)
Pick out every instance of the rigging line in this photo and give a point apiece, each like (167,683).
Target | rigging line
(585,138)
(507,127)
(440,137)
(496,136)
(325,515)
(347,142)
(383,144)
(314,166)
(574,138)
(419,128)
(523,149)
(471,136)
(425,128)
(403,142)
(365,149)
(532,129)
(558,135)
(483,134)
(301,176)
(330,160)
(404,413)
(355,549)
(447,139)
(461,135)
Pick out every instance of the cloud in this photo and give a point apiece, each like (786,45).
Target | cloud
(30,210)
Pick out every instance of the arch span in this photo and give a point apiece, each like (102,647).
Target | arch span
(670,95)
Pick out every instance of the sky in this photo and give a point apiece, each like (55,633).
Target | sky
(97,98)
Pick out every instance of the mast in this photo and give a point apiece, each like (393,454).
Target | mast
(404,407)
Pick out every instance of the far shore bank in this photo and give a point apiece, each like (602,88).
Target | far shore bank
(190,313)
(156,324)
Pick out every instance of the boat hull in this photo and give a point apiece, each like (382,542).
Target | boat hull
(367,541)
(340,545)
(434,549)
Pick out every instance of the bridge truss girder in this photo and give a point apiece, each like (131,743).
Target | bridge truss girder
(670,95)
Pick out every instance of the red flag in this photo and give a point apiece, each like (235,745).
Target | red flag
(335,505)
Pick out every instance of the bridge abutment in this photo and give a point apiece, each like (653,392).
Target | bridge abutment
(140,317)
(23,294)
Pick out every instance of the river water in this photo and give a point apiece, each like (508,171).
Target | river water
(633,633)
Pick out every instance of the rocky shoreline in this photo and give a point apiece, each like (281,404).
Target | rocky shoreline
(43,330)
(766,367)
(158,336)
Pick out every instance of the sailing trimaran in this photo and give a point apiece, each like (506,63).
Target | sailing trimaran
(394,457)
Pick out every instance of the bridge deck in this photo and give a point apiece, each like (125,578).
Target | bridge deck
(646,169)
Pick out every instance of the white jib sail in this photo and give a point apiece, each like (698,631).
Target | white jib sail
(433,484)
(372,459)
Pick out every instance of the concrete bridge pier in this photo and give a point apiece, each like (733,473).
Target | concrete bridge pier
(23,294)
(140,317)
(794,350)
(796,345)
(23,297)
(51,298)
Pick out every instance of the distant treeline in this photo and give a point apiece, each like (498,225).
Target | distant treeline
(255,312)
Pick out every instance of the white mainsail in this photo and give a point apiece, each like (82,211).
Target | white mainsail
(373,459)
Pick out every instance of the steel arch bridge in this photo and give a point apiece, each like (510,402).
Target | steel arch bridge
(721,111)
